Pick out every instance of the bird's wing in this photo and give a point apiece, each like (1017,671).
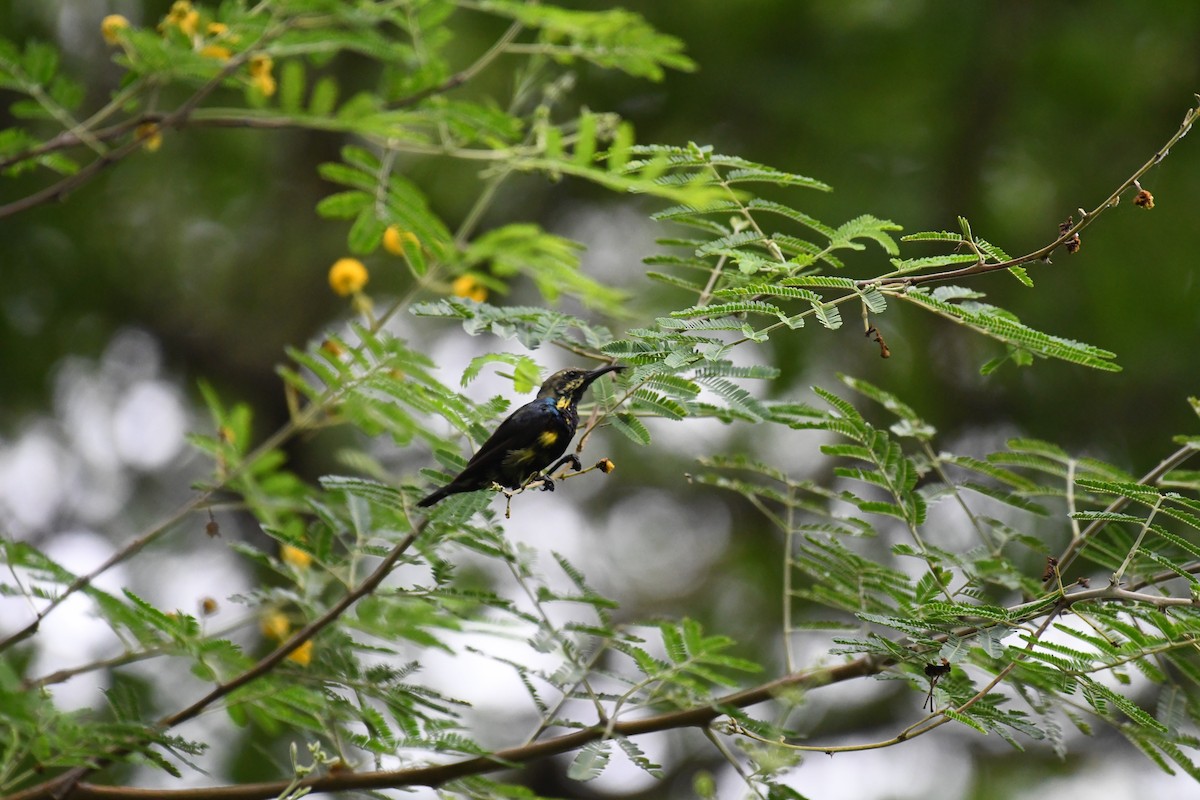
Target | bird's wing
(518,430)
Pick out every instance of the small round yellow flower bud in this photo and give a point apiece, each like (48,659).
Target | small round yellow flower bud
(260,63)
(217,51)
(394,239)
(302,655)
(182,16)
(260,73)
(208,606)
(606,465)
(111,27)
(295,556)
(150,136)
(276,626)
(468,287)
(265,83)
(347,276)
(190,22)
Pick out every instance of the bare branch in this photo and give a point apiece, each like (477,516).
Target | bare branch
(1069,231)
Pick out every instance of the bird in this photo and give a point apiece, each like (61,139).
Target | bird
(530,439)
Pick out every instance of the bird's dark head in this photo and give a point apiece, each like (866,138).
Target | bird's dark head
(571,383)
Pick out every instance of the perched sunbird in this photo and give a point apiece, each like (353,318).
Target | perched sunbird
(530,439)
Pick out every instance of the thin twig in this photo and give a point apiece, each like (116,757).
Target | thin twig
(137,544)
(1043,253)
(922,726)
(67,782)
(1137,543)
(82,582)
(724,750)
(59,190)
(1149,479)
(129,657)
(586,668)
(568,647)
(181,116)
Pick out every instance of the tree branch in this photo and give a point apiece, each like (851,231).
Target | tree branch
(82,582)
(1150,478)
(1041,254)
(67,784)
(437,775)
(175,119)
(183,115)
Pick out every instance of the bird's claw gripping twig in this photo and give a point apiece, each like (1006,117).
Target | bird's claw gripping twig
(544,478)
(571,459)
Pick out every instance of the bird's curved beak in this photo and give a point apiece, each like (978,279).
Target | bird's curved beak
(596,373)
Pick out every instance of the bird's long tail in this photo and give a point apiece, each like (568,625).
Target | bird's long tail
(435,497)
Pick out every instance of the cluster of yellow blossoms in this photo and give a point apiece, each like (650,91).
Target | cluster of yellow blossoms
(260,73)
(348,276)
(214,43)
(275,624)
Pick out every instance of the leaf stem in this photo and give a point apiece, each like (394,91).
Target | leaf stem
(1043,253)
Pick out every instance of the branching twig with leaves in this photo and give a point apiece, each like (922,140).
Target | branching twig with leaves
(744,283)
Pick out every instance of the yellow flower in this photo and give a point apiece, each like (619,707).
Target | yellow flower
(260,73)
(394,239)
(182,16)
(216,29)
(302,655)
(468,287)
(150,136)
(347,276)
(189,23)
(295,556)
(218,51)
(276,626)
(111,27)
(265,83)
(260,63)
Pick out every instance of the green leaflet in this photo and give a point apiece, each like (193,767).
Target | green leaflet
(1006,328)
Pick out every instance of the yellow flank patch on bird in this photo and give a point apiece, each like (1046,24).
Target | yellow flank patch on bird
(521,456)
(548,438)
(563,402)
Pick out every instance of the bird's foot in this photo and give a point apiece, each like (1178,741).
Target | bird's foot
(571,461)
(547,483)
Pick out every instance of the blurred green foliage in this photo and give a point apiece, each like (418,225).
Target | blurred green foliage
(1013,115)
